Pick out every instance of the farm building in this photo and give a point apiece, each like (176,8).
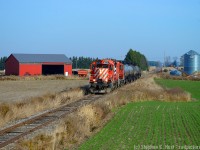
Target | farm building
(38,64)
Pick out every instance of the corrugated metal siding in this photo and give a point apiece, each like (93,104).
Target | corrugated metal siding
(191,62)
(30,69)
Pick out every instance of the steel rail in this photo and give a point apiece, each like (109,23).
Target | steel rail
(15,132)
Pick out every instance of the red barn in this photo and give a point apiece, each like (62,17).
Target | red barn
(38,64)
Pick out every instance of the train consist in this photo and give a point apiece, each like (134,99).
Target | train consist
(108,74)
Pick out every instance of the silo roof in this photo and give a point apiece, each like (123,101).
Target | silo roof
(191,52)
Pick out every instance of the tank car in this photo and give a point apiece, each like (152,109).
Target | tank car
(131,73)
(138,72)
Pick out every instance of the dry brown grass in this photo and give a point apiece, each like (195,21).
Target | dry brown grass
(177,94)
(22,109)
(71,131)
(2,72)
(145,90)
(40,142)
(88,120)
(41,77)
(195,77)
(4,109)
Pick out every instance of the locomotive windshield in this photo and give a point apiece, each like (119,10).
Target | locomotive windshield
(102,66)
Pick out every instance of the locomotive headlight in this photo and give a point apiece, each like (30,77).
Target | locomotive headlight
(106,80)
(94,80)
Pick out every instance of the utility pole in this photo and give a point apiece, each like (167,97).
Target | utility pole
(76,63)
(164,60)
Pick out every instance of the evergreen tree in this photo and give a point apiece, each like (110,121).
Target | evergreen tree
(136,58)
(81,62)
(2,63)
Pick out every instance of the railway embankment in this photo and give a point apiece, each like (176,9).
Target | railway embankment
(21,99)
(78,126)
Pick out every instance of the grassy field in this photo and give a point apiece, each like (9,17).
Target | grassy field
(191,86)
(154,124)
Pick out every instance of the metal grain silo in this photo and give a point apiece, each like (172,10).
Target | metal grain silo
(191,62)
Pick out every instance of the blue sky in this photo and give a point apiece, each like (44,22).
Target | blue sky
(104,29)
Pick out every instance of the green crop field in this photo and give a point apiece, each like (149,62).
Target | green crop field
(150,125)
(153,125)
(191,86)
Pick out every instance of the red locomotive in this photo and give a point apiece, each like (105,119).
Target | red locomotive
(107,74)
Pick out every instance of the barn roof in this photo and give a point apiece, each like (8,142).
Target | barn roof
(41,58)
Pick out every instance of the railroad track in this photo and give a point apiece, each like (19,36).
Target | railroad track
(15,132)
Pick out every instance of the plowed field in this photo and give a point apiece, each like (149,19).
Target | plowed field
(19,90)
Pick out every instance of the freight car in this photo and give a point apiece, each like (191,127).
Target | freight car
(131,73)
(108,74)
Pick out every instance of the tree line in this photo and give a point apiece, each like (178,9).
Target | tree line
(2,63)
(133,57)
(81,62)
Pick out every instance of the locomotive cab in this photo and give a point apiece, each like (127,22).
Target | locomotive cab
(100,78)
(106,74)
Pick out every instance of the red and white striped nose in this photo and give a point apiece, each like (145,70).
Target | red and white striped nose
(101,73)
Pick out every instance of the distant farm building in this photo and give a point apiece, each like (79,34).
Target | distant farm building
(80,72)
(191,62)
(38,64)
